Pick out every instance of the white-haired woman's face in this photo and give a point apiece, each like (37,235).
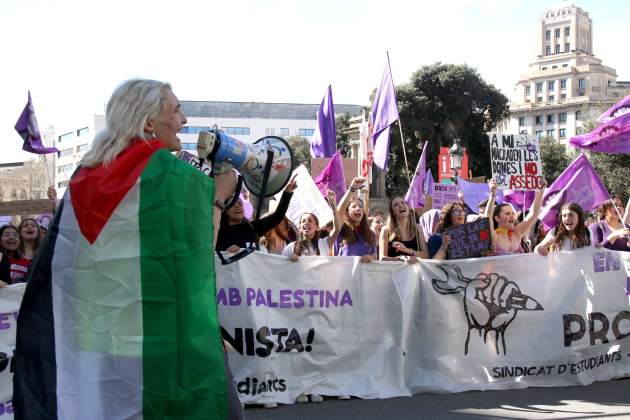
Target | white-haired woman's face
(168,122)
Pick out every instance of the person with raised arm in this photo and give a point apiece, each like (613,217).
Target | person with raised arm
(570,234)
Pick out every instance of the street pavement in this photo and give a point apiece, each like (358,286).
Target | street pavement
(602,400)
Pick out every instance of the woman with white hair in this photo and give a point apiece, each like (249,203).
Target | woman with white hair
(120,317)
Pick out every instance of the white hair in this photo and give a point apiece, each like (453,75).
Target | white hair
(132,104)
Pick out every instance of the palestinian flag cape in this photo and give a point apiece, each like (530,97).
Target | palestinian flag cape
(119,318)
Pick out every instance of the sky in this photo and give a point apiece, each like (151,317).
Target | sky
(71,54)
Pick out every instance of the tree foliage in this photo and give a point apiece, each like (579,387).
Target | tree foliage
(613,169)
(554,157)
(442,102)
(342,122)
(301,148)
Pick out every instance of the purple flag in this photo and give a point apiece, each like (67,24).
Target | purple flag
(27,128)
(475,193)
(332,178)
(617,110)
(519,198)
(579,183)
(415,193)
(324,142)
(429,182)
(612,136)
(384,114)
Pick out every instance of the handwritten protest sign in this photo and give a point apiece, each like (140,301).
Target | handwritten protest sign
(443,194)
(307,198)
(469,240)
(26,207)
(516,161)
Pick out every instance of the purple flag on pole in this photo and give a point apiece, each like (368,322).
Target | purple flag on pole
(332,178)
(519,198)
(324,141)
(27,128)
(617,110)
(579,183)
(475,193)
(415,193)
(384,114)
(429,182)
(612,136)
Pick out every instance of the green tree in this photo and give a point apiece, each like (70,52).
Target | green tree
(440,103)
(342,122)
(554,158)
(613,169)
(301,148)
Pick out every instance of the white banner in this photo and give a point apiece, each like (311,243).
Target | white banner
(10,299)
(332,325)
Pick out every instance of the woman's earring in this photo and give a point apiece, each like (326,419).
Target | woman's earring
(152,135)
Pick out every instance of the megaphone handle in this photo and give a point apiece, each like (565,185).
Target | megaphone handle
(263,189)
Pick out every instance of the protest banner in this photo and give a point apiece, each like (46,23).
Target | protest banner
(312,329)
(307,198)
(469,240)
(26,207)
(443,194)
(516,161)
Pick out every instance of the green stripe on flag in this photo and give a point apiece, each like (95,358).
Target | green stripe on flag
(183,360)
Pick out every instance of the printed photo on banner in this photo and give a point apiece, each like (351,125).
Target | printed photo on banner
(516,163)
(443,194)
(469,240)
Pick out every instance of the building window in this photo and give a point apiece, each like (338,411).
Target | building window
(65,137)
(567,47)
(550,118)
(270,131)
(83,148)
(563,96)
(528,90)
(563,84)
(189,146)
(551,86)
(521,121)
(237,131)
(578,115)
(550,133)
(539,86)
(567,31)
(557,33)
(548,50)
(62,184)
(83,131)
(562,133)
(284,131)
(64,168)
(548,35)
(565,65)
(191,129)
(539,100)
(557,48)
(306,132)
(65,152)
(562,117)
(539,119)
(539,134)
(581,84)
(544,68)
(551,98)
(554,67)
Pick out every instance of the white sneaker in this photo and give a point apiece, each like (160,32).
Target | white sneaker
(316,398)
(270,405)
(344,397)
(301,399)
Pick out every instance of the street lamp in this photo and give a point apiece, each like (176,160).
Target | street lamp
(455,155)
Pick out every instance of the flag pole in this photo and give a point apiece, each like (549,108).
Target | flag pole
(402,141)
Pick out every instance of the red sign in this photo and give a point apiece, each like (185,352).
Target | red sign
(444,165)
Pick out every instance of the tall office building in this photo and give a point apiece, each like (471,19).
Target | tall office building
(567,84)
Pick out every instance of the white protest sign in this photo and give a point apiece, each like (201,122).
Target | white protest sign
(307,199)
(516,161)
(443,194)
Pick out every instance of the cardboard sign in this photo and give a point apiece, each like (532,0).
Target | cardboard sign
(443,194)
(516,161)
(307,198)
(26,207)
(469,240)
